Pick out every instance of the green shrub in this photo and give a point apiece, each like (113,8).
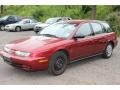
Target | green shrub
(114,21)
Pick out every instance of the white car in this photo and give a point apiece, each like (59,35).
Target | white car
(24,24)
(48,22)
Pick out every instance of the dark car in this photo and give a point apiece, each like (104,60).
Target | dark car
(59,44)
(8,20)
(48,22)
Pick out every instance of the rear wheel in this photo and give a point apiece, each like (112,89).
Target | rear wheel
(2,27)
(18,29)
(58,63)
(108,51)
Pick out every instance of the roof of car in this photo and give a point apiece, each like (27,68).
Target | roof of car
(80,21)
(60,17)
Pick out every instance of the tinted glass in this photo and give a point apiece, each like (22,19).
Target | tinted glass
(84,30)
(97,28)
(59,29)
(11,18)
(107,27)
(51,20)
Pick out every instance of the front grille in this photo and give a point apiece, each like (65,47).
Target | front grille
(38,27)
(9,61)
(17,65)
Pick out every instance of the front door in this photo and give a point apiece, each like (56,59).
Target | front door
(83,46)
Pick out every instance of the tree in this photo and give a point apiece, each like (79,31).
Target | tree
(1,7)
(86,9)
(94,12)
(116,8)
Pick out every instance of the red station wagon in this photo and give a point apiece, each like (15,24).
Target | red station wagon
(59,44)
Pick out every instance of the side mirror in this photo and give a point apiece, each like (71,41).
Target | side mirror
(79,36)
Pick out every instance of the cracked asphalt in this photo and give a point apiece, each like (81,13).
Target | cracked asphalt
(96,70)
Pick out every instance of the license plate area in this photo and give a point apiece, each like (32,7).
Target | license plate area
(7,60)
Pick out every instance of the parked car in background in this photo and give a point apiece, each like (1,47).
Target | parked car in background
(48,22)
(25,24)
(8,20)
(59,44)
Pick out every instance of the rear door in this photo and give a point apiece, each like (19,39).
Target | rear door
(32,24)
(99,38)
(26,24)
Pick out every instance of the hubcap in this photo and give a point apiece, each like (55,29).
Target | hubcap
(18,29)
(109,50)
(59,63)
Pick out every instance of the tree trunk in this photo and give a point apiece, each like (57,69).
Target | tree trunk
(2,9)
(94,12)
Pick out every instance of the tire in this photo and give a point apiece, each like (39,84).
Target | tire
(18,29)
(2,27)
(108,51)
(58,63)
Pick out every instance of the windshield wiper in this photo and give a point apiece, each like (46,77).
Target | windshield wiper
(49,35)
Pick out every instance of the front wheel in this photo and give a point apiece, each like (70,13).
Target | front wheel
(18,29)
(58,63)
(108,51)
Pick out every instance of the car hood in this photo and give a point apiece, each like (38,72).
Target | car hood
(14,24)
(42,25)
(30,44)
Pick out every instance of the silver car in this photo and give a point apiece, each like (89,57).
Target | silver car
(48,22)
(24,24)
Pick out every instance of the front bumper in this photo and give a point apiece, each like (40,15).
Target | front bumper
(25,63)
(9,28)
(37,29)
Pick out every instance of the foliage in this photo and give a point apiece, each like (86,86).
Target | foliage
(114,21)
(43,12)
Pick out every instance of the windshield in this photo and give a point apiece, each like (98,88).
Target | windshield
(51,20)
(4,18)
(61,30)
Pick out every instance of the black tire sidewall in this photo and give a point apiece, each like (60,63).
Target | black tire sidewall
(51,68)
(105,54)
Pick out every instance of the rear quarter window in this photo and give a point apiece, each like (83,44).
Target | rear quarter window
(106,27)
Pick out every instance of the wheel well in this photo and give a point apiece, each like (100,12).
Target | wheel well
(111,42)
(18,26)
(66,52)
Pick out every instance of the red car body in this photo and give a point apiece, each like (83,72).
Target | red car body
(42,48)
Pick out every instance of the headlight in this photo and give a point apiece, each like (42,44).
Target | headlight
(23,54)
(6,49)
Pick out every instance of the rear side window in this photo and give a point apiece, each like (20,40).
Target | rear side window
(97,28)
(106,27)
(84,30)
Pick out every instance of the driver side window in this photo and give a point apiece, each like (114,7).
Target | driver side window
(27,21)
(84,30)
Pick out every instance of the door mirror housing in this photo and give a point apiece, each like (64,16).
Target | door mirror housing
(79,36)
